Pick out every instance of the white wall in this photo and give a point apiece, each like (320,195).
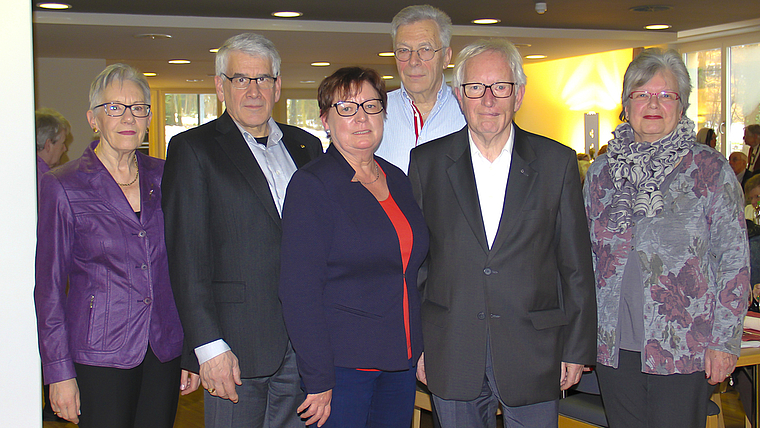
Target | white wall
(20,394)
(63,84)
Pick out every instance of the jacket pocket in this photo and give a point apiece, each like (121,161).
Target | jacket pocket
(547,318)
(229,291)
(355,311)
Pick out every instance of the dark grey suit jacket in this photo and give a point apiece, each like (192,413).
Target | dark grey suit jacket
(532,292)
(223,240)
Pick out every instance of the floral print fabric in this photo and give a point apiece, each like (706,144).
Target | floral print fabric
(694,260)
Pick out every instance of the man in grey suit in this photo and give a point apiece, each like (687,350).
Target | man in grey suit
(508,308)
(223,188)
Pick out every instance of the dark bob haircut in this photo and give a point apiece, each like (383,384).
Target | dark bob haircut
(346,82)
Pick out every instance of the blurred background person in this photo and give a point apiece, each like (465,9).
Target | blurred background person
(738,162)
(707,136)
(353,239)
(752,139)
(110,347)
(53,137)
(667,235)
(752,198)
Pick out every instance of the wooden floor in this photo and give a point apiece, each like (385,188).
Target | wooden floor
(190,413)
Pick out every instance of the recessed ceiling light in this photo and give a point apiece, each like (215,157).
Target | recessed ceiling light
(152,36)
(386,54)
(179,61)
(535,56)
(54,6)
(150,74)
(450,66)
(214,50)
(193,80)
(486,21)
(320,64)
(658,27)
(287,14)
(306,82)
(387,77)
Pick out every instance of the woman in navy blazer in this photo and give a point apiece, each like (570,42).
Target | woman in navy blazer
(110,346)
(353,241)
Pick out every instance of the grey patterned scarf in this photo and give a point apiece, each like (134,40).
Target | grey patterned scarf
(639,168)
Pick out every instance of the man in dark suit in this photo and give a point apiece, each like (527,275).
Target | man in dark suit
(508,311)
(752,139)
(738,162)
(223,188)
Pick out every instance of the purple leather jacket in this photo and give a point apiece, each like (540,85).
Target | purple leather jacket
(119,298)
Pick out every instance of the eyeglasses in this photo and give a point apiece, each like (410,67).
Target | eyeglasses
(242,82)
(115,109)
(645,96)
(498,89)
(425,53)
(350,108)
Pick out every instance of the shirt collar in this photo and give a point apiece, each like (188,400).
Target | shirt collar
(507,149)
(441,91)
(275,133)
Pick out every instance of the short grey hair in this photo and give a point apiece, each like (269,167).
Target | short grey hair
(250,44)
(501,46)
(650,62)
(49,123)
(423,12)
(117,73)
(754,128)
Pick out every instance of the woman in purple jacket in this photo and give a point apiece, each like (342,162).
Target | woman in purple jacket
(110,347)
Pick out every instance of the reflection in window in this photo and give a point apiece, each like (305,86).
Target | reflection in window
(744,94)
(305,115)
(186,111)
(705,73)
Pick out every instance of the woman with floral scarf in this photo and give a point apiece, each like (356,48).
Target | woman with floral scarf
(670,254)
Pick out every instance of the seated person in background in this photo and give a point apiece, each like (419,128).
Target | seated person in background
(752,198)
(738,162)
(707,136)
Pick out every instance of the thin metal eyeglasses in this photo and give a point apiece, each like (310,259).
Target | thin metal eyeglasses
(664,96)
(243,82)
(114,109)
(425,53)
(498,89)
(350,108)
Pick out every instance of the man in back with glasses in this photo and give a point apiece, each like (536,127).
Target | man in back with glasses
(424,108)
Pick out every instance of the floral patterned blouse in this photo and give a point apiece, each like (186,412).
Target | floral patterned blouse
(694,262)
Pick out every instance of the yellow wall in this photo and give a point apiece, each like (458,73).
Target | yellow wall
(559,92)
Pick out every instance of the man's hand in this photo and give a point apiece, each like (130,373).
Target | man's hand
(718,366)
(64,399)
(316,407)
(421,375)
(570,374)
(220,374)
(188,382)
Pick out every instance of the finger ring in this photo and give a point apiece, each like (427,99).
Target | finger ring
(211,390)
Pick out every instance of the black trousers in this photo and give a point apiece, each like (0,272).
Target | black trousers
(142,397)
(638,400)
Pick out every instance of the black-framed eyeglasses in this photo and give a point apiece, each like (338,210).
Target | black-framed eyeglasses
(350,108)
(498,89)
(664,96)
(115,109)
(425,53)
(243,82)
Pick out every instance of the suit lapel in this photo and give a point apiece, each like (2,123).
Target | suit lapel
(149,201)
(462,180)
(297,150)
(521,179)
(108,191)
(232,142)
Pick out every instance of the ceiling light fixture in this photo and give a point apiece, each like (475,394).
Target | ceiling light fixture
(193,80)
(152,36)
(540,7)
(214,50)
(179,61)
(306,82)
(387,77)
(320,64)
(386,54)
(658,27)
(150,74)
(486,21)
(537,56)
(54,6)
(450,66)
(287,14)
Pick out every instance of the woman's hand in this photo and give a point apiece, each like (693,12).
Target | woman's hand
(718,365)
(188,382)
(421,375)
(316,407)
(64,399)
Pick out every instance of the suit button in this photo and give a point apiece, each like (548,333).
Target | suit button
(487,271)
(142,234)
(147,300)
(144,266)
(481,316)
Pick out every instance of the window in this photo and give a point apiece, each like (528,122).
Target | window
(186,111)
(305,115)
(744,92)
(706,96)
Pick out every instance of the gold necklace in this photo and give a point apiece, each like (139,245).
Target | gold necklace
(137,174)
(377,176)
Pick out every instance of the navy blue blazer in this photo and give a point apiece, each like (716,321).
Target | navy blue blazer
(341,278)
